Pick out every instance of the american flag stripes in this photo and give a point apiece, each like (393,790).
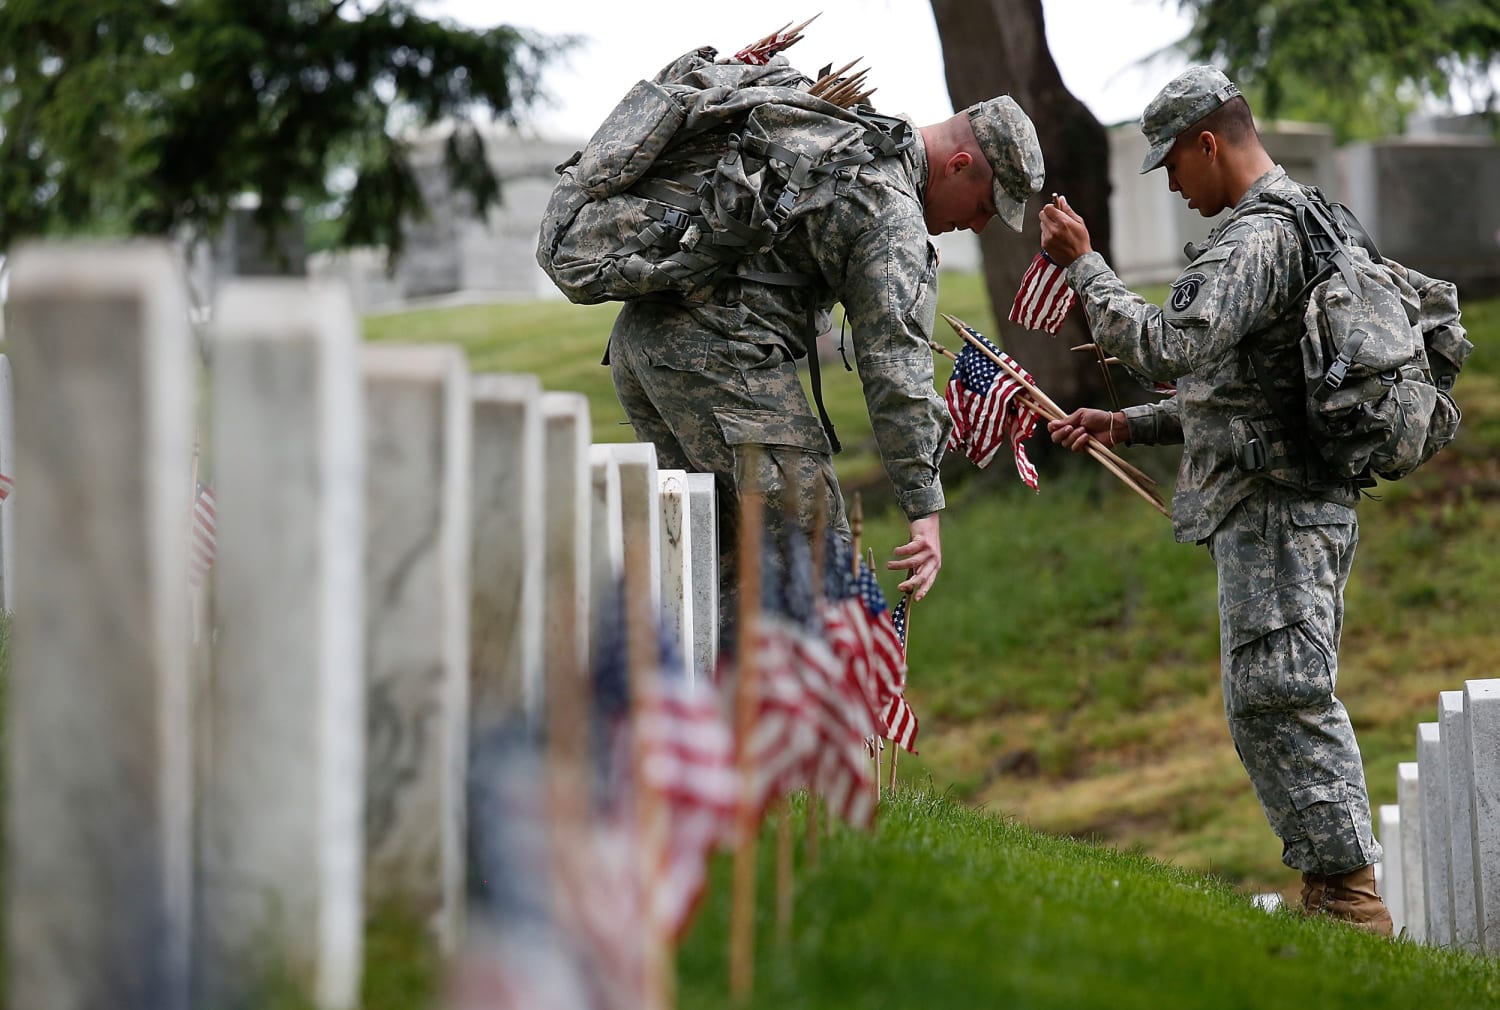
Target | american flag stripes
(689,763)
(6,486)
(986,412)
(861,632)
(1044,298)
(203,539)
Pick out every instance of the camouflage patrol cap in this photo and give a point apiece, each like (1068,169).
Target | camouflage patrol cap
(1187,98)
(1008,140)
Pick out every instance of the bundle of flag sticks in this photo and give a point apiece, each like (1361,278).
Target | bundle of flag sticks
(761,50)
(1038,402)
(844,91)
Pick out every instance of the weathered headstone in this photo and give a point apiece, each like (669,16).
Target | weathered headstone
(1436,847)
(1413,863)
(640,508)
(1482,704)
(569,521)
(418,428)
(1391,882)
(7,485)
(677,560)
(281,838)
(606,543)
(505,618)
(99,793)
(704,504)
(1457,764)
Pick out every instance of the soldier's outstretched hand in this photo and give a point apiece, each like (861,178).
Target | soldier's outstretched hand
(922,557)
(1075,430)
(1065,237)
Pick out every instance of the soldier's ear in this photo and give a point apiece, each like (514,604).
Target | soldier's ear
(957,163)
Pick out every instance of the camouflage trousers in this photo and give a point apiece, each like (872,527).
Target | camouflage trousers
(734,409)
(1283,561)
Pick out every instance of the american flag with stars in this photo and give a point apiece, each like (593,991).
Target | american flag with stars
(986,411)
(862,634)
(1044,298)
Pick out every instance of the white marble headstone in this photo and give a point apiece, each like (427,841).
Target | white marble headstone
(281,832)
(99,767)
(1391,884)
(1436,847)
(505,621)
(1458,764)
(677,561)
(704,503)
(1482,704)
(1413,861)
(418,489)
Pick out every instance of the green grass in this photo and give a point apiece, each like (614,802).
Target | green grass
(945,906)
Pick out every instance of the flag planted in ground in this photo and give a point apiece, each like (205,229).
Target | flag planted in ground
(204,536)
(1044,298)
(687,760)
(986,411)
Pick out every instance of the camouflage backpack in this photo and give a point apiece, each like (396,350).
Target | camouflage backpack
(697,170)
(1378,358)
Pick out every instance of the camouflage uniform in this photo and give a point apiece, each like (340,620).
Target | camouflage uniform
(705,381)
(1282,545)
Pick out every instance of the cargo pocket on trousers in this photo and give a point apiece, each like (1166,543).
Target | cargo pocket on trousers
(788,449)
(1278,660)
(1327,827)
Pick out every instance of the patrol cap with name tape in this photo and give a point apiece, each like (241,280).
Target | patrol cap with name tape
(1187,98)
(1008,140)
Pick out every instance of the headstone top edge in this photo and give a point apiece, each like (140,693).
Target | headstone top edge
(1429,731)
(505,387)
(634,453)
(565,405)
(1482,689)
(411,361)
(1409,770)
(1450,699)
(49,267)
(602,455)
(270,308)
(1390,811)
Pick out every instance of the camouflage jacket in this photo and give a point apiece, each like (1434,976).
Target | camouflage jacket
(868,249)
(1239,282)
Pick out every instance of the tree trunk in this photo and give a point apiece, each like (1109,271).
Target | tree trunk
(999,47)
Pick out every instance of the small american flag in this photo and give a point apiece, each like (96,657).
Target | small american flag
(1044,298)
(689,762)
(898,620)
(986,413)
(865,640)
(203,540)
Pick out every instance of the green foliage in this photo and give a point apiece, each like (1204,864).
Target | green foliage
(143,115)
(1361,65)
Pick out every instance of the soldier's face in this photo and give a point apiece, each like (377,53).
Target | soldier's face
(1190,171)
(959,196)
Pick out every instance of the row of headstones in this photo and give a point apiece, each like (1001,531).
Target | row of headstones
(1441,871)
(407,554)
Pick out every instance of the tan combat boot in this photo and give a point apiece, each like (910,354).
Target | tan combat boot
(1350,897)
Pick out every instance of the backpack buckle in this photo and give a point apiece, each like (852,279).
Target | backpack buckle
(675,219)
(1336,374)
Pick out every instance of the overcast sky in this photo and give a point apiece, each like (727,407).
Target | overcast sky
(1098,46)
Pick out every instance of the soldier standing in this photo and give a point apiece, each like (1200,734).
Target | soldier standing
(1282,544)
(706,380)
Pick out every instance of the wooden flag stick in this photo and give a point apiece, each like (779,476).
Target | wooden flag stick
(1042,404)
(643,659)
(1036,406)
(747,692)
(1136,481)
(784,873)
